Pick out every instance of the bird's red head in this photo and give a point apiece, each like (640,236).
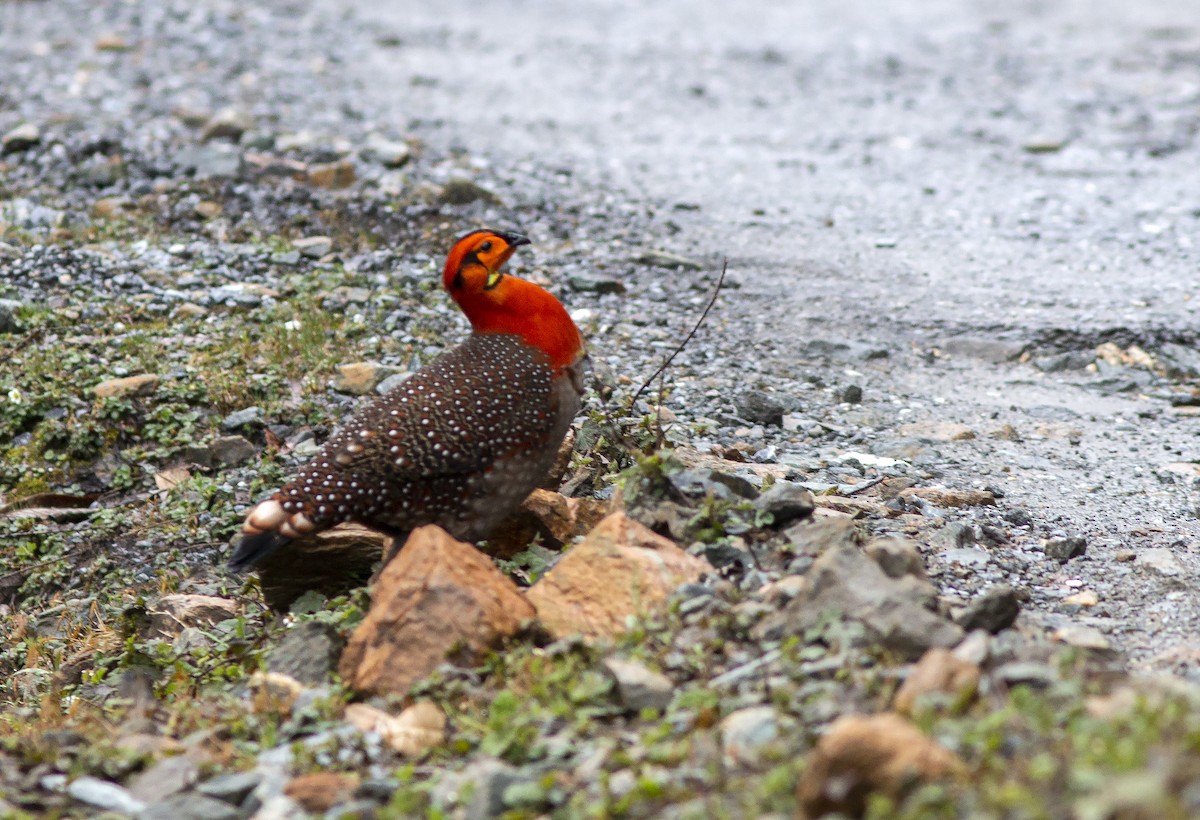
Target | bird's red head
(495,302)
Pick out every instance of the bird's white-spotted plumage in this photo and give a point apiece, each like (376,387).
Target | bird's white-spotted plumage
(459,444)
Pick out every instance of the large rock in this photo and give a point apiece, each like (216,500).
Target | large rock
(862,755)
(167,777)
(438,594)
(621,568)
(308,653)
(892,610)
(639,687)
(331,563)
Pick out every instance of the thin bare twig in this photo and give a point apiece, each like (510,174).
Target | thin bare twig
(660,435)
(663,367)
(858,489)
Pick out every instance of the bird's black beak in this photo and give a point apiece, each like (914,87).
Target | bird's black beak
(513,239)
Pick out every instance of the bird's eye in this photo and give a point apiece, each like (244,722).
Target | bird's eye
(485,247)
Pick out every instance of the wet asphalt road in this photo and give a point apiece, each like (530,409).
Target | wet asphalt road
(904,174)
(866,160)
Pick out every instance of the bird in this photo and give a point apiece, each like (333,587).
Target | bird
(460,443)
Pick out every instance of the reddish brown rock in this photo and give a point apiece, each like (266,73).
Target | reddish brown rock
(942,497)
(419,727)
(273,694)
(437,595)
(621,568)
(936,431)
(321,791)
(142,385)
(940,675)
(552,518)
(338,174)
(862,755)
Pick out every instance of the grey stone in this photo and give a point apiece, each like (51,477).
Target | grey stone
(463,192)
(378,789)
(235,294)
(1064,549)
(104,795)
(247,417)
(995,609)
(27,214)
(298,141)
(747,733)
(975,648)
(209,161)
(754,668)
(954,535)
(1180,361)
(1030,673)
(584,283)
(1160,561)
(314,247)
(699,484)
(966,557)
(891,610)
(229,451)
(737,485)
(190,639)
(362,809)
(392,382)
(1074,360)
(280,807)
(527,795)
(1083,637)
(231,788)
(228,123)
(190,807)
(1045,143)
(386,152)
(996,351)
(897,557)
(63,738)
(759,408)
(723,554)
(308,653)
(785,502)
(8,316)
(813,537)
(26,135)
(488,778)
(639,687)
(853,394)
(664,259)
(1018,517)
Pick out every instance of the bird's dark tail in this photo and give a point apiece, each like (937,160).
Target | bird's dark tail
(253,548)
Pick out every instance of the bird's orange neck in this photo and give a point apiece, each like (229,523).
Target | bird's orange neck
(526,310)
